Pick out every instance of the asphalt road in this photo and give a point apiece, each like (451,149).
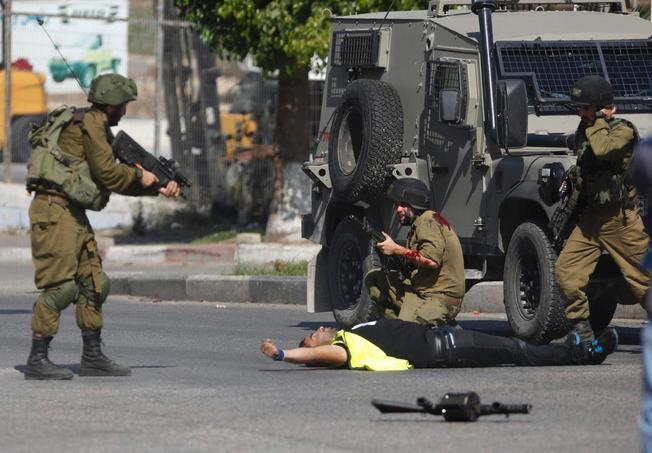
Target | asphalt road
(200,384)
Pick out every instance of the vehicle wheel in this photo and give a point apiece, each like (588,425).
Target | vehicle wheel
(58,78)
(350,301)
(115,65)
(533,302)
(87,76)
(20,127)
(366,136)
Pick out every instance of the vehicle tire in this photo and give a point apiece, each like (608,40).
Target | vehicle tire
(20,127)
(366,136)
(58,78)
(350,300)
(533,302)
(87,76)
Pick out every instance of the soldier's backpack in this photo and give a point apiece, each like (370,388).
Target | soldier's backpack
(49,167)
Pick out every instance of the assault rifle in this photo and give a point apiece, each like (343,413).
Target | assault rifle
(454,407)
(131,153)
(370,231)
(564,218)
(387,262)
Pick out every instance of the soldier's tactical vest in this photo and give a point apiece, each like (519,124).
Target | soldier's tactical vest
(604,181)
(49,167)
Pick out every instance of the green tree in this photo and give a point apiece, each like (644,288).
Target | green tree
(282,36)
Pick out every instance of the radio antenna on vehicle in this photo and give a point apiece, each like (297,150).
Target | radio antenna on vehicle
(41,22)
(391,5)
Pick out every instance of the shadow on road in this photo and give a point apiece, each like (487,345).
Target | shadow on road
(9,311)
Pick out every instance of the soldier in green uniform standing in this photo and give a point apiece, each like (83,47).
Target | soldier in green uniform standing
(68,268)
(432,292)
(608,219)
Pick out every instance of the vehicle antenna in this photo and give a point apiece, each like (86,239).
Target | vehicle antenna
(41,22)
(391,5)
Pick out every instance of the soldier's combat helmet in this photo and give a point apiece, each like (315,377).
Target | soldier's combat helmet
(112,89)
(592,90)
(411,191)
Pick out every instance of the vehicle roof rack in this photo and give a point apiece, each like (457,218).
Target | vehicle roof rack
(439,8)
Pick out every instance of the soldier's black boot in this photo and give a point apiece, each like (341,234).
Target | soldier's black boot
(583,331)
(94,362)
(592,352)
(39,365)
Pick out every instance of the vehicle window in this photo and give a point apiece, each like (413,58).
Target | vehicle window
(550,68)
(444,75)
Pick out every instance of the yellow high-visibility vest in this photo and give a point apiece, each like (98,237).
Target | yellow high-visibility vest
(364,355)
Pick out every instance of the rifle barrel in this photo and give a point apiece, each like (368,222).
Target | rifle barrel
(394,407)
(498,408)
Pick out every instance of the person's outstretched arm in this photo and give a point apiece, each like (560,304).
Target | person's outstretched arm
(326,355)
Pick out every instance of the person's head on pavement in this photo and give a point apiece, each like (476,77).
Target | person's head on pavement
(321,336)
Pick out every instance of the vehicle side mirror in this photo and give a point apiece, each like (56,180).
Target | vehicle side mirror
(512,113)
(450,106)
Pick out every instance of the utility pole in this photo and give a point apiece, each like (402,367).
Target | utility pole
(160,16)
(6,54)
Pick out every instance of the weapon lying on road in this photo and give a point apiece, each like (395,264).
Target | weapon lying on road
(131,153)
(368,229)
(454,407)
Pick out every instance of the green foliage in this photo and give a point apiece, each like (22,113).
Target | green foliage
(279,267)
(225,235)
(280,35)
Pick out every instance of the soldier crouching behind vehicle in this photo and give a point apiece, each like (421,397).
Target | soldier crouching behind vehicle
(432,292)
(72,168)
(608,219)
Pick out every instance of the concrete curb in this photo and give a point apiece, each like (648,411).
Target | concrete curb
(484,297)
(144,254)
(214,288)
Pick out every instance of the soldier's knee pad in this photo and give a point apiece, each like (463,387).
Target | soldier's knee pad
(61,296)
(87,291)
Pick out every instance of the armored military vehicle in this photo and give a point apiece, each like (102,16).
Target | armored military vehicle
(471,98)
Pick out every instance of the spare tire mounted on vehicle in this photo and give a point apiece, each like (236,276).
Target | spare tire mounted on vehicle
(366,136)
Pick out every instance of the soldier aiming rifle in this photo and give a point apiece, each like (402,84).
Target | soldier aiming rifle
(72,168)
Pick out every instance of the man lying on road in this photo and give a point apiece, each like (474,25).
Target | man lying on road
(393,344)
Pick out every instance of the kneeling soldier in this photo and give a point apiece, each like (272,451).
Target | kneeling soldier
(432,292)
